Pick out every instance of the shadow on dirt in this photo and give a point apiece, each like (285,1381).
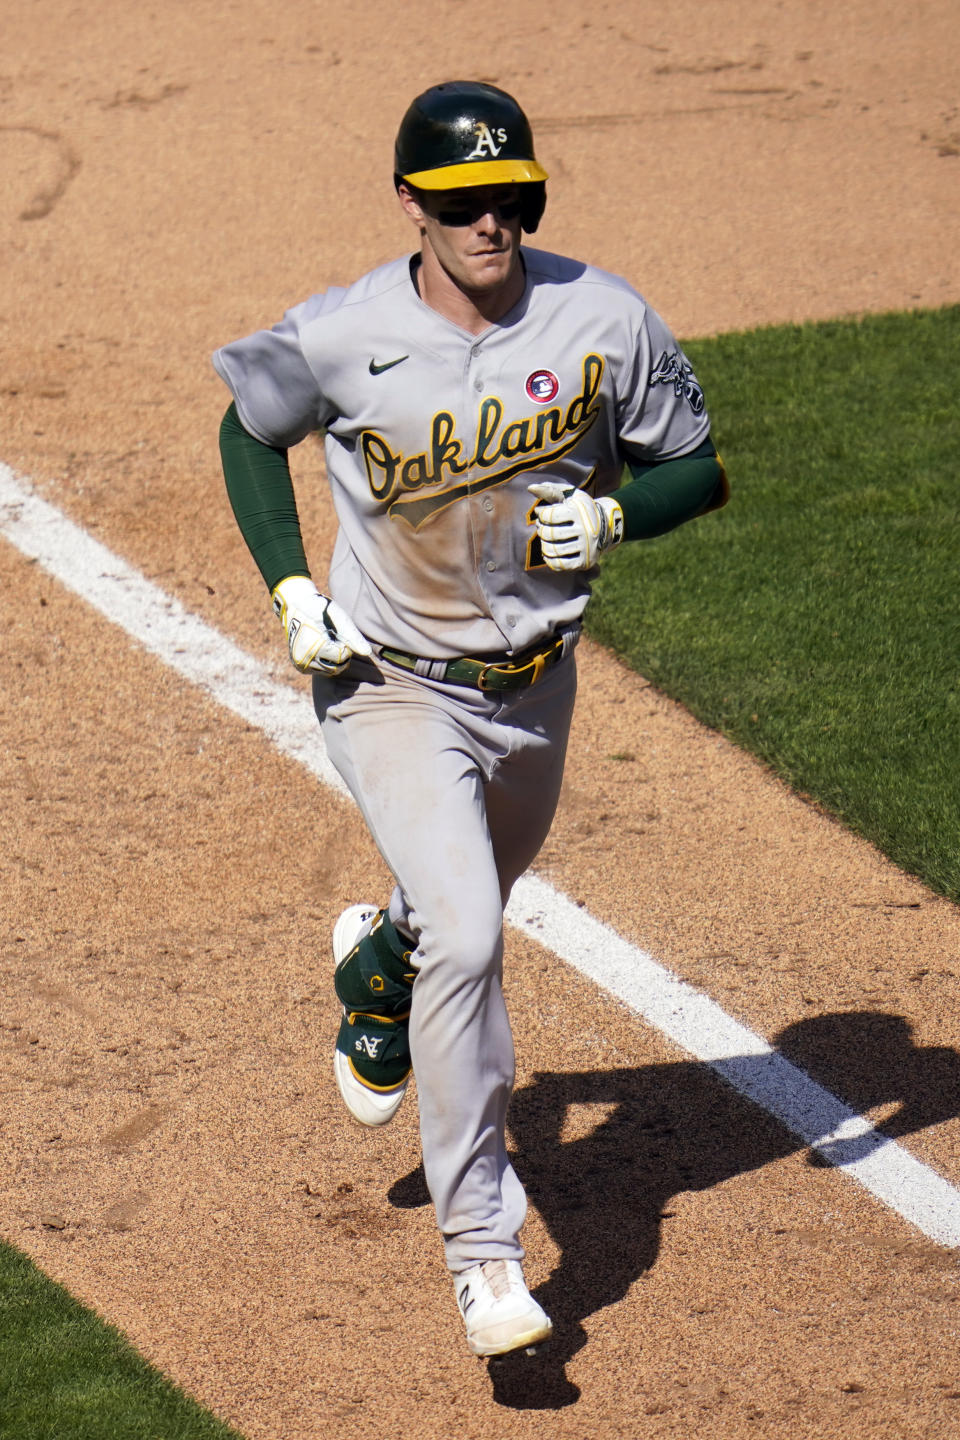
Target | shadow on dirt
(671,1128)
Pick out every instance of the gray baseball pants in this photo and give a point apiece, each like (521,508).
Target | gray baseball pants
(458,788)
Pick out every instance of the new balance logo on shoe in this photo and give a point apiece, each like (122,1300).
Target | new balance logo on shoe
(500,1313)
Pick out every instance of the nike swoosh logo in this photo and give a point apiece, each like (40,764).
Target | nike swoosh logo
(376,369)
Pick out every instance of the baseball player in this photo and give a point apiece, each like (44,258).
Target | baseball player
(495,418)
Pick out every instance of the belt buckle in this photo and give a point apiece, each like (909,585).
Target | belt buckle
(483,674)
(537,665)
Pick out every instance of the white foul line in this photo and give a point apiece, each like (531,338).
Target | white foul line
(689,1018)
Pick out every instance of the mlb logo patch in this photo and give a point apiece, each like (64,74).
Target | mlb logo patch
(542,386)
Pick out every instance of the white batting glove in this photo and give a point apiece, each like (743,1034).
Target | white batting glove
(320,635)
(573,527)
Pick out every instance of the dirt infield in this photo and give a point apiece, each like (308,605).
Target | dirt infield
(171,1143)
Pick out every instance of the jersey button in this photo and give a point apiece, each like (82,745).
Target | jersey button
(478,384)
(488,503)
(491,564)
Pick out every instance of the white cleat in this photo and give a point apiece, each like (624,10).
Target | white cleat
(367,1102)
(500,1313)
(351,926)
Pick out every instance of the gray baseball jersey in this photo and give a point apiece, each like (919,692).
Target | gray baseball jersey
(433,435)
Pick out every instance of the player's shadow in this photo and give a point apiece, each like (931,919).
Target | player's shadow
(664,1129)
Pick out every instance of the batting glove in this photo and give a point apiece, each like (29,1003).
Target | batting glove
(573,527)
(320,635)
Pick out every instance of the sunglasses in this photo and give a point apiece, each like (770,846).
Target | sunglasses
(469,212)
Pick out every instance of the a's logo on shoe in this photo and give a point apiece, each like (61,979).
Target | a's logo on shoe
(371,1045)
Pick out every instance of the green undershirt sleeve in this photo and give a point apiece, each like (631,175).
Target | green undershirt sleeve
(261,493)
(659,497)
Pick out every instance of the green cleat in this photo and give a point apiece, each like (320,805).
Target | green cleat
(374,982)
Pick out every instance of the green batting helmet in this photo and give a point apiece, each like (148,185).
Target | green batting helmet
(465,133)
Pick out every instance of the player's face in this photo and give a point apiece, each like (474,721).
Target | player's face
(474,233)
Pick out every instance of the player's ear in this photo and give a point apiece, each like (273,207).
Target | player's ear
(410,202)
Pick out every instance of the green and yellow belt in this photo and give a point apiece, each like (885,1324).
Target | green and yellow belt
(501,672)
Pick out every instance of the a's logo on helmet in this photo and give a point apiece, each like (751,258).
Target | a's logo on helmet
(542,386)
(489,142)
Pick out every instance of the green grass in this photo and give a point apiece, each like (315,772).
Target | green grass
(815,621)
(66,1375)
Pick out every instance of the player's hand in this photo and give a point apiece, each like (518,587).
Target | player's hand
(320,635)
(573,527)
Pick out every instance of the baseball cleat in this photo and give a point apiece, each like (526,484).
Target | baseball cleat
(500,1313)
(373,980)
